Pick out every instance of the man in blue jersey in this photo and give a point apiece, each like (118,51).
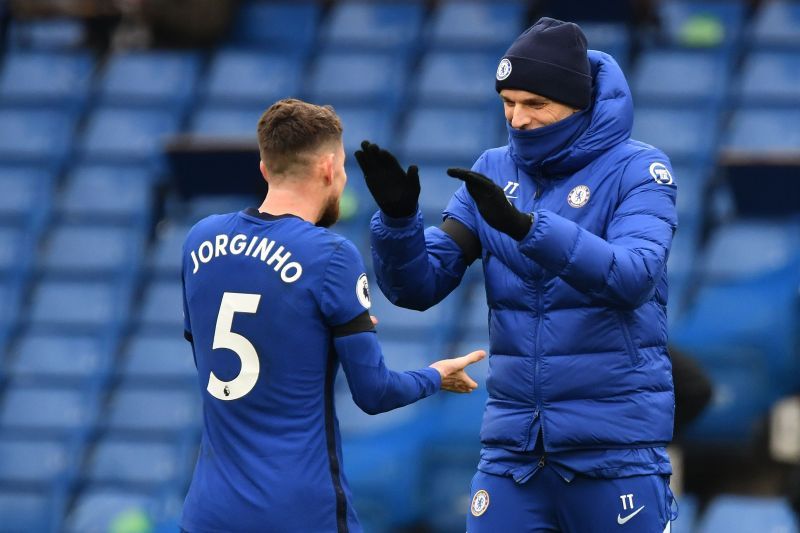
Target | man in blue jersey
(573,221)
(273,303)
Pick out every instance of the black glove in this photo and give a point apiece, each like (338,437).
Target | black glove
(493,205)
(395,191)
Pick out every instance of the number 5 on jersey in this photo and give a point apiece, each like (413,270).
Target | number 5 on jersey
(232,303)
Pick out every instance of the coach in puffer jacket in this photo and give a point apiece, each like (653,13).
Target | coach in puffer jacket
(575,274)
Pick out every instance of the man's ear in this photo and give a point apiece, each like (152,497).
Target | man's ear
(327,165)
(263,169)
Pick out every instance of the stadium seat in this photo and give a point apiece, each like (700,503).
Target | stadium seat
(250,77)
(153,410)
(770,78)
(165,258)
(107,192)
(457,78)
(24,511)
(9,306)
(34,463)
(130,462)
(227,123)
(609,37)
(369,78)
(437,190)
(149,78)
(25,192)
(472,24)
(48,411)
(397,322)
(79,304)
(159,357)
(695,76)
(763,131)
(38,136)
(103,509)
(743,514)
(452,137)
(364,123)
(693,181)
(282,25)
(364,25)
(685,135)
(777,23)
(161,305)
(61,358)
(702,24)
(55,34)
(687,515)
(45,77)
(15,252)
(114,250)
(127,134)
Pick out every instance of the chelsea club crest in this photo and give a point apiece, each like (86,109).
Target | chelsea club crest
(480,502)
(579,196)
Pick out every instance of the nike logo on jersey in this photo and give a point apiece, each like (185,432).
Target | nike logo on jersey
(621,520)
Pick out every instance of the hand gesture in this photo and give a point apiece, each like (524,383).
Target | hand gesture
(454,378)
(493,205)
(395,191)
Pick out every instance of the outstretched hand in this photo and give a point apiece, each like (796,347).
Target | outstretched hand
(454,378)
(492,203)
(395,191)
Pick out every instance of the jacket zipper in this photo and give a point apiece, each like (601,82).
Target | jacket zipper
(626,334)
(537,399)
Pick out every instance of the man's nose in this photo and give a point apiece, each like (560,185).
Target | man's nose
(519,119)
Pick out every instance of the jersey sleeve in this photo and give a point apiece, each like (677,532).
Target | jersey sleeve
(345,290)
(187,325)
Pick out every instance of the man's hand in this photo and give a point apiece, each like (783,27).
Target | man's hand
(395,191)
(493,205)
(454,379)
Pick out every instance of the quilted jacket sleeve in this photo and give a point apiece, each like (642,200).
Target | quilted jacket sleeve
(623,269)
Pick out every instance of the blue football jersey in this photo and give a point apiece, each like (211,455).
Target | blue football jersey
(273,305)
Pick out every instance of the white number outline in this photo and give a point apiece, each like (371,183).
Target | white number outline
(232,303)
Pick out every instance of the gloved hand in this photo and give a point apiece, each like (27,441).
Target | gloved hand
(395,191)
(493,205)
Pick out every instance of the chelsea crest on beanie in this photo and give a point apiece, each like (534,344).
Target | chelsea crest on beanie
(549,59)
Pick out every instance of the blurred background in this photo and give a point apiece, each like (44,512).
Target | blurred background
(124,122)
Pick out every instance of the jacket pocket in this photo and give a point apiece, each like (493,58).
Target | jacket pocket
(633,353)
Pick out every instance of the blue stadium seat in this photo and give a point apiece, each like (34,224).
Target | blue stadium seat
(48,411)
(26,462)
(252,77)
(130,462)
(365,25)
(490,26)
(60,358)
(24,511)
(447,480)
(91,250)
(56,34)
(770,246)
(150,78)
(282,25)
(166,253)
(9,305)
(39,136)
(744,514)
(397,322)
(364,123)
(45,77)
(609,37)
(100,508)
(694,76)
(764,131)
(692,181)
(227,123)
(777,23)
(357,78)
(107,192)
(770,78)
(79,304)
(685,135)
(162,305)
(25,191)
(437,190)
(702,24)
(457,78)
(453,137)
(127,134)
(15,252)
(687,515)
(154,410)
(159,357)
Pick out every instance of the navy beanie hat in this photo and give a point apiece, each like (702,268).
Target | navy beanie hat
(549,59)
